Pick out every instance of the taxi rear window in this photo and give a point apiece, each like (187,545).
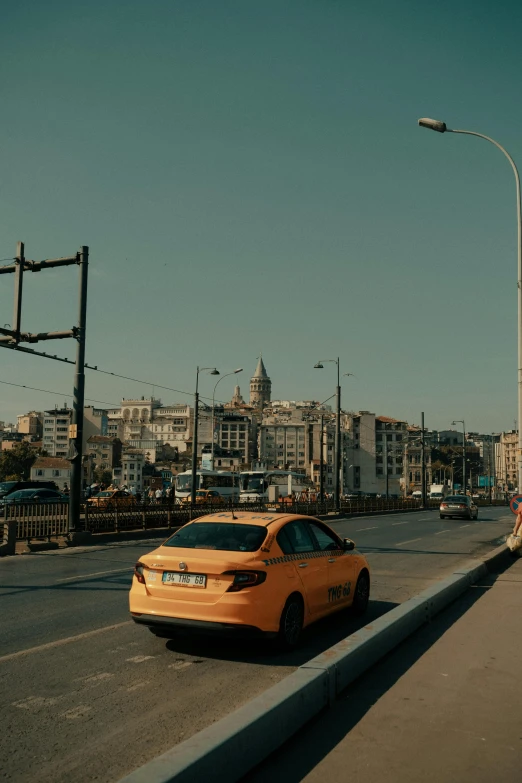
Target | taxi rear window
(219,535)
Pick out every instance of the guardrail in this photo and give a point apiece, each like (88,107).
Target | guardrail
(50,520)
(38,520)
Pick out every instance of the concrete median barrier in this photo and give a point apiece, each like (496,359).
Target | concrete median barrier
(227,750)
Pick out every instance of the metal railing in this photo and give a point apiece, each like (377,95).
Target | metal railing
(50,520)
(38,520)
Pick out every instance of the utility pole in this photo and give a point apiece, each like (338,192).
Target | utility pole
(11,338)
(78,399)
(385,457)
(423,461)
(321,462)
(337,467)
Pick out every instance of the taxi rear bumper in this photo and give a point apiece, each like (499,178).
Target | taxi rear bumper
(157,622)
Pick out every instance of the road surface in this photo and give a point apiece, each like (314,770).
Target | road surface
(86,694)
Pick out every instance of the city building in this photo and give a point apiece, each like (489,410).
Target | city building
(130,472)
(507,477)
(147,425)
(56,428)
(52,469)
(104,451)
(30,424)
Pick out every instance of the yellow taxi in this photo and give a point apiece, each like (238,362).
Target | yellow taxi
(111,498)
(249,572)
(207,497)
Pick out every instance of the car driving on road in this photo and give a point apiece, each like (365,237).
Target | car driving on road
(228,572)
(458,506)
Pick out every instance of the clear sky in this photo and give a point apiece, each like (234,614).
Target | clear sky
(250,176)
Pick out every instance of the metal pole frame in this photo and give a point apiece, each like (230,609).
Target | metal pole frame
(75,494)
(337,491)
(195,443)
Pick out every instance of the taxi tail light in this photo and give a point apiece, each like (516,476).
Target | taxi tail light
(244,579)
(138,572)
(444,505)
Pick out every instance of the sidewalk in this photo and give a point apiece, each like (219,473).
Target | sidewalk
(444,707)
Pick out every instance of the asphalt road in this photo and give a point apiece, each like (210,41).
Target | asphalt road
(87,695)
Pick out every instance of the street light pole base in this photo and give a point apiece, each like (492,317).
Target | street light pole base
(79,538)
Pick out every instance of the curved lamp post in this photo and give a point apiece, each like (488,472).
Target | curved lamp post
(212,371)
(441,127)
(337,468)
(234,372)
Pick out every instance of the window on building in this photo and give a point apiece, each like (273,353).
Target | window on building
(131,477)
(56,473)
(39,472)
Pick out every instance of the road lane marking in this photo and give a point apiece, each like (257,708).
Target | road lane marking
(76,712)
(442,531)
(59,642)
(366,528)
(179,665)
(140,658)
(461,526)
(97,573)
(95,678)
(402,523)
(401,543)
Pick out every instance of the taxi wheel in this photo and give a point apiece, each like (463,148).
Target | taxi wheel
(291,623)
(361,595)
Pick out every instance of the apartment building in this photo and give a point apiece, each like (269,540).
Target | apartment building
(30,424)
(52,469)
(507,462)
(55,440)
(146,424)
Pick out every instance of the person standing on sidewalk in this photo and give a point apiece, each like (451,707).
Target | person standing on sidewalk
(517,530)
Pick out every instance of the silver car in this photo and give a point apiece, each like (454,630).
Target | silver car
(458,506)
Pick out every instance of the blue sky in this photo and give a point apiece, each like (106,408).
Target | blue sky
(250,177)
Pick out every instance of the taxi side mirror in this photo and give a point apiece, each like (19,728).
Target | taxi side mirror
(349,545)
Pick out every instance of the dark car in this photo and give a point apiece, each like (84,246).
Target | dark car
(458,506)
(8,487)
(42,495)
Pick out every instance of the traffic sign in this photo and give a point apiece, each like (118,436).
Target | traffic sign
(515,503)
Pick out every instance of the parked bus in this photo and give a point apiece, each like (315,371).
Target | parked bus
(223,482)
(254,484)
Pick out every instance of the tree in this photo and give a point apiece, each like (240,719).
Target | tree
(16,463)
(102,476)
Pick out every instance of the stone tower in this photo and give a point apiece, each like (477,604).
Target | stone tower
(260,386)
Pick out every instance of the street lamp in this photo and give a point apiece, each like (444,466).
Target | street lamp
(212,371)
(320,366)
(234,372)
(441,127)
(461,421)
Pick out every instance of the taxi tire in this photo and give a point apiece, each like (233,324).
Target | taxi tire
(361,595)
(291,623)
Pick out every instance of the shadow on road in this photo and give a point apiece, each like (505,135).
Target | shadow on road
(316,639)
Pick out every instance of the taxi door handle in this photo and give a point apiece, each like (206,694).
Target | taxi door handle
(303,565)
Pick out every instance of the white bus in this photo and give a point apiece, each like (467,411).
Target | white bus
(221,481)
(254,484)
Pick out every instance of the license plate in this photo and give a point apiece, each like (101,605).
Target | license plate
(184,580)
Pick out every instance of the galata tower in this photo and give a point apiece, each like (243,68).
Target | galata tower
(260,386)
